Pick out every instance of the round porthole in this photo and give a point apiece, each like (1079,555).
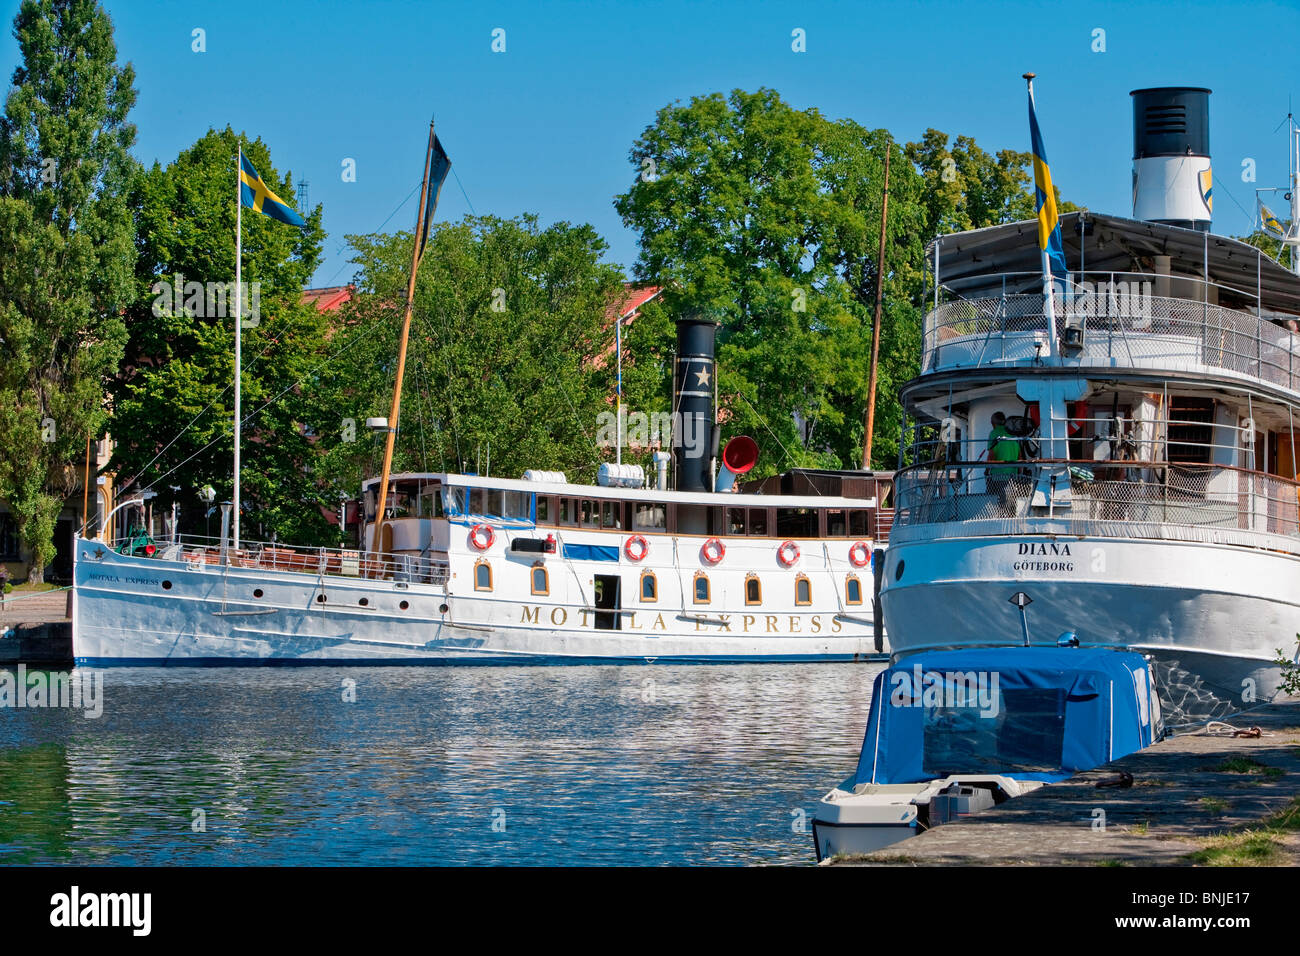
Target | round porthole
(257,592)
(443,609)
(898,571)
(320,599)
(364,602)
(404,605)
(167,585)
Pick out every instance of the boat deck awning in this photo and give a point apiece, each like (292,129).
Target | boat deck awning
(1099,243)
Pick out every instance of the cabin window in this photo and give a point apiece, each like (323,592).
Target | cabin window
(609,515)
(482,575)
(753,590)
(543,509)
(515,504)
(649,586)
(796,523)
(453,501)
(758,521)
(852,590)
(568,511)
(649,517)
(836,523)
(432,504)
(858,524)
(735,521)
(802,590)
(541,580)
(590,513)
(495,506)
(477,501)
(701,588)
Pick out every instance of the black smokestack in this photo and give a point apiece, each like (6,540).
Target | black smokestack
(693,396)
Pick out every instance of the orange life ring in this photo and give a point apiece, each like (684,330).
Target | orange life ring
(636,548)
(481,536)
(787,554)
(713,550)
(859,554)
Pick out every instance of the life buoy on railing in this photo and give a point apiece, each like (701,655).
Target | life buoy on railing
(636,548)
(787,554)
(713,550)
(481,536)
(859,554)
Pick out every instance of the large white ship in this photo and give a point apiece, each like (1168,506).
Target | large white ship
(1129,466)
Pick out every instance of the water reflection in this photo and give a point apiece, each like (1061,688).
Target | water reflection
(583,765)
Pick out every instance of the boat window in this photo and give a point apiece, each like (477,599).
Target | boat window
(796,523)
(852,590)
(735,521)
(432,503)
(649,586)
(541,580)
(649,517)
(609,514)
(758,521)
(568,511)
(836,523)
(543,509)
(477,501)
(858,523)
(495,506)
(482,575)
(515,504)
(701,588)
(802,590)
(590,513)
(1027,736)
(753,590)
(453,501)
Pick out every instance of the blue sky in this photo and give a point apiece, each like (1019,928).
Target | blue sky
(546,126)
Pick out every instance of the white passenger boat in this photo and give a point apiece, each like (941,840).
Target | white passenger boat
(1151,497)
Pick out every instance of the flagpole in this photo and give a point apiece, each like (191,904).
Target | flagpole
(377,542)
(875,324)
(239,298)
(1049,306)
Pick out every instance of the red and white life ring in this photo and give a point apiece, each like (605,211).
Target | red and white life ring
(636,548)
(481,536)
(859,554)
(713,550)
(787,554)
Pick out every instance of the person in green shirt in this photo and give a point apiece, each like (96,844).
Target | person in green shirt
(1003,447)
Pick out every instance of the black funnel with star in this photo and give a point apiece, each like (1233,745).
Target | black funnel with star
(693,389)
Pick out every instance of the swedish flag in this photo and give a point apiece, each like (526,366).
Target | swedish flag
(1049,223)
(256,195)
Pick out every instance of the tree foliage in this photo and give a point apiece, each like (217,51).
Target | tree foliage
(173,416)
(65,274)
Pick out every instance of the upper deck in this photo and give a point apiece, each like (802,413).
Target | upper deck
(1141,296)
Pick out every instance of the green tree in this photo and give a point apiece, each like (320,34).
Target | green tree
(65,273)
(173,415)
(768,218)
(506,361)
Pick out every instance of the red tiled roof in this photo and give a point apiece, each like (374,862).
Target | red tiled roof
(634,296)
(330,298)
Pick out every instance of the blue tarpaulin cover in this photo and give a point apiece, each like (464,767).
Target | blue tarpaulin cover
(591,552)
(1033,713)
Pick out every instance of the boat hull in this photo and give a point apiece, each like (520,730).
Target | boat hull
(153,611)
(1211,616)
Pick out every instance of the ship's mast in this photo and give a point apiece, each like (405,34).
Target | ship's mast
(377,542)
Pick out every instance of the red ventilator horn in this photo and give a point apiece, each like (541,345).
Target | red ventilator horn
(740,456)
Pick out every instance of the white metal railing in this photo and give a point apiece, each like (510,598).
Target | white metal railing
(1119,326)
(1090,494)
(273,556)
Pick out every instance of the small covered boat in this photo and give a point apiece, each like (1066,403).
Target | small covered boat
(955,732)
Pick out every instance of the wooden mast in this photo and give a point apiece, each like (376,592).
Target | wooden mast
(875,324)
(377,542)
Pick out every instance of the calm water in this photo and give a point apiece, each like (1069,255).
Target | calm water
(475,765)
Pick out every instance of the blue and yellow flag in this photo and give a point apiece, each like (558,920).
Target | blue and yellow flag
(1049,223)
(1268,222)
(256,195)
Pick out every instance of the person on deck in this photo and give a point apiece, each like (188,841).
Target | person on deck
(1003,447)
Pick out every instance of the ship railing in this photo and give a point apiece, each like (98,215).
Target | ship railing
(1100,497)
(274,556)
(1121,320)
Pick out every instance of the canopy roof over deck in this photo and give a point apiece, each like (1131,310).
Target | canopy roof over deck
(1100,243)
